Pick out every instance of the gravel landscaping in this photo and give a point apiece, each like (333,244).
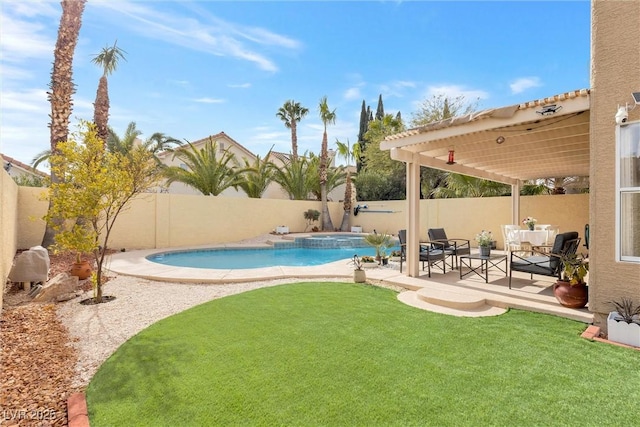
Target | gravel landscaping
(52,350)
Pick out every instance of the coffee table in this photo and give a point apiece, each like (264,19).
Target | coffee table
(486,262)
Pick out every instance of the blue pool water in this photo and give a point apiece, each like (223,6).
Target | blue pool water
(219,258)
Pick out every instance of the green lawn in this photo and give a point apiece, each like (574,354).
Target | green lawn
(341,354)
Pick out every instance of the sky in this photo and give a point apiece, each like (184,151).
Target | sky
(197,68)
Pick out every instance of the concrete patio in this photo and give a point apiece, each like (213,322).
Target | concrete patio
(443,293)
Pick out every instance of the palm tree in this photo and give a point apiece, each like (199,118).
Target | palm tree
(295,179)
(328,117)
(349,153)
(291,113)
(458,185)
(155,143)
(62,88)
(256,177)
(206,173)
(107,59)
(336,176)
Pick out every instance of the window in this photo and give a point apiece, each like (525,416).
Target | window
(628,192)
(221,147)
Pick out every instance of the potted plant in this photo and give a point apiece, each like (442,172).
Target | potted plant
(530,222)
(311,215)
(368,262)
(623,325)
(81,241)
(571,290)
(395,256)
(359,275)
(380,241)
(484,239)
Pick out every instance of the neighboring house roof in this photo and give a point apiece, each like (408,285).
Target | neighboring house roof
(215,138)
(544,138)
(9,163)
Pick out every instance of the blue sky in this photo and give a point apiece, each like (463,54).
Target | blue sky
(196,68)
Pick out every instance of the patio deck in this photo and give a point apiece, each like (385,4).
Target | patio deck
(444,293)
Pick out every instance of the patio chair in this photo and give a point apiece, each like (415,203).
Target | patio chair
(431,253)
(453,247)
(543,263)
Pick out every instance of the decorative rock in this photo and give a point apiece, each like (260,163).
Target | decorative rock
(31,266)
(62,284)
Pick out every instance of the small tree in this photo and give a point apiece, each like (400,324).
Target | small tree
(95,187)
(311,216)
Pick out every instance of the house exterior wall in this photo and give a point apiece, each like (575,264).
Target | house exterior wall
(615,74)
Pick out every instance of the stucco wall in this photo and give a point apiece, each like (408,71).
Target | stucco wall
(173,220)
(615,74)
(8,214)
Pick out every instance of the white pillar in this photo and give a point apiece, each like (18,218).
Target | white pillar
(413,218)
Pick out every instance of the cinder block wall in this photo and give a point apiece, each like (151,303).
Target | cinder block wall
(8,226)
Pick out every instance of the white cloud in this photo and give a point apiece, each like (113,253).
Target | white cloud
(201,31)
(453,91)
(524,83)
(240,86)
(352,93)
(206,100)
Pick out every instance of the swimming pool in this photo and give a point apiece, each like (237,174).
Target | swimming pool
(301,252)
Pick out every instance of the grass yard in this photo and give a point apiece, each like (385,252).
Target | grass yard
(341,354)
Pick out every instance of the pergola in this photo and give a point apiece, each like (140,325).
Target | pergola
(546,138)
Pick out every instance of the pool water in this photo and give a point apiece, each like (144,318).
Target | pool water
(256,258)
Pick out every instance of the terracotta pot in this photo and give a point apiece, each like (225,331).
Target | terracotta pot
(81,269)
(575,296)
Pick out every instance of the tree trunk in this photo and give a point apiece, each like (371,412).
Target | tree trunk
(101,110)
(327,225)
(62,87)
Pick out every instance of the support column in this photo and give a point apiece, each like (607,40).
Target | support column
(515,203)
(413,218)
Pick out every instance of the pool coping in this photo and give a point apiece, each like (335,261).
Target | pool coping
(135,263)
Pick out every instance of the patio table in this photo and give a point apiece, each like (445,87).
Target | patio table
(485,263)
(535,237)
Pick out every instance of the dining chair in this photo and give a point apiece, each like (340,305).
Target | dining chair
(511,236)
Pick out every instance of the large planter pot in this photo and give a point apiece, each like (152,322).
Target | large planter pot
(572,296)
(359,276)
(485,250)
(81,269)
(623,332)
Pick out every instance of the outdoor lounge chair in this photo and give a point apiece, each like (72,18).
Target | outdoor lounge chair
(545,263)
(431,253)
(453,247)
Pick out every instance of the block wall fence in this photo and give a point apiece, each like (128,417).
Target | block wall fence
(178,220)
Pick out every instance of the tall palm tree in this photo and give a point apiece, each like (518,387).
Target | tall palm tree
(205,172)
(349,153)
(291,113)
(62,87)
(328,117)
(108,59)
